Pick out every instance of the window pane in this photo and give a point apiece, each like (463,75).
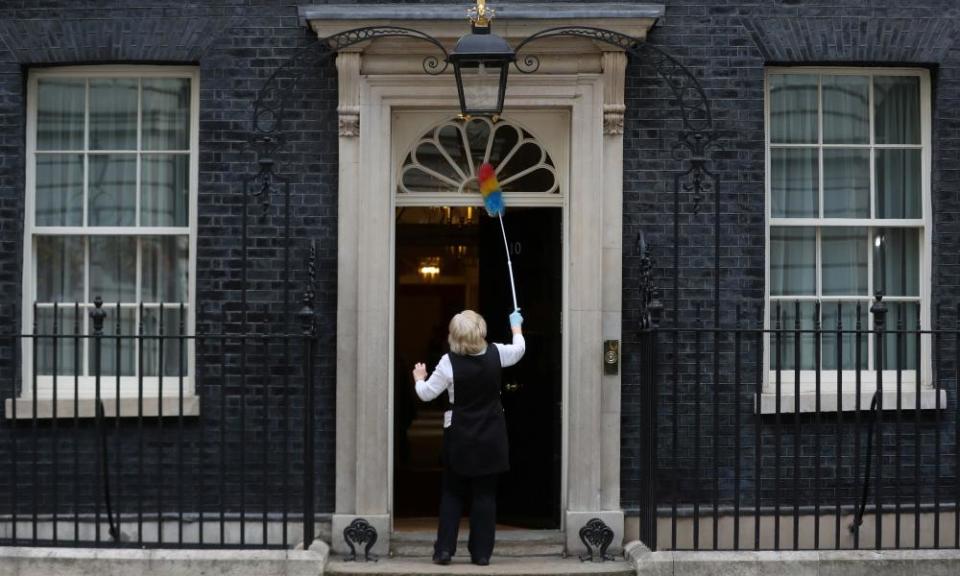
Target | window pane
(844,257)
(451,141)
(898,184)
(846,118)
(527,155)
(900,352)
(174,349)
(60,104)
(115,353)
(166,114)
(417,180)
(481,84)
(113,114)
(113,268)
(896,270)
(794,183)
(783,345)
(112,190)
(430,157)
(59,197)
(897,109)
(848,326)
(846,183)
(793,108)
(478,135)
(165,182)
(792,261)
(59,269)
(165,268)
(65,348)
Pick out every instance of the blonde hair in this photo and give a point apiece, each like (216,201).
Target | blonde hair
(468,332)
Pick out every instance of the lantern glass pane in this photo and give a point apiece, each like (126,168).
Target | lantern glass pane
(480,83)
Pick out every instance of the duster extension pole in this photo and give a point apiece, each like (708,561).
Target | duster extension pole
(513,287)
(493,202)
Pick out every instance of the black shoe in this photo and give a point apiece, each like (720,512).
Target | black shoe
(442,558)
(481,561)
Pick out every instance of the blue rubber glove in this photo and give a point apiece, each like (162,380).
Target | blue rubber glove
(516,320)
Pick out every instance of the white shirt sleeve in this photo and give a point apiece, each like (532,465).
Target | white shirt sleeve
(439,381)
(510,354)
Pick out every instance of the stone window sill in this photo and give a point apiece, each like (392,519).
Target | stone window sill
(68,408)
(829,400)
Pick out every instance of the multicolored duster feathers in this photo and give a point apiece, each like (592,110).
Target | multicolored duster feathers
(490,189)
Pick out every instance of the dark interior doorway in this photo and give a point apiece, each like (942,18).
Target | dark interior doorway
(449,259)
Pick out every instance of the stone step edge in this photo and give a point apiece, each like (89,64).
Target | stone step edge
(503,536)
(501,553)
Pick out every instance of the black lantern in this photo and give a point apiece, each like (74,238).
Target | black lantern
(480,62)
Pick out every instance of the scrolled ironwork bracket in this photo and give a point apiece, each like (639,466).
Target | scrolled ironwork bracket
(432,65)
(360,533)
(307,313)
(597,537)
(529,63)
(651,307)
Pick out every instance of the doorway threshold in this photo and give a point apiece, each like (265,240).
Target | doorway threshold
(429,523)
(510,542)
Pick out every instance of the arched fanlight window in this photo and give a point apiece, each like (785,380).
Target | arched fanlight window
(446,159)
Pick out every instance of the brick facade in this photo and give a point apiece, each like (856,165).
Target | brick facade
(727,45)
(237,44)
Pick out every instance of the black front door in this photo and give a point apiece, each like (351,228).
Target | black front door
(529,495)
(464,248)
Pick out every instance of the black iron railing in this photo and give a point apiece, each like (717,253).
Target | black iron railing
(142,434)
(800,431)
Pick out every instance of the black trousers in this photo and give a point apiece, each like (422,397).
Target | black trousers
(482,494)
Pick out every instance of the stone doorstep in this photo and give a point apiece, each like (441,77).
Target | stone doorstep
(794,563)
(509,543)
(499,566)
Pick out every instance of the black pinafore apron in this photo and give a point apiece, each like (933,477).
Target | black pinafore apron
(475,444)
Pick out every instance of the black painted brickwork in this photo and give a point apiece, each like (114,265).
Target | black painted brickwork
(727,44)
(236,45)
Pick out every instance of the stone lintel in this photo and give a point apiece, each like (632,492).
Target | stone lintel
(505,10)
(447,23)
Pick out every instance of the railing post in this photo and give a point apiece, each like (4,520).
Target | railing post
(650,314)
(879,311)
(308,331)
(97,316)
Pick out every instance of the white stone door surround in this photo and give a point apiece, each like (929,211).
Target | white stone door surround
(381,77)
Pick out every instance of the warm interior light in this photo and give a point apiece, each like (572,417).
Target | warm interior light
(429,268)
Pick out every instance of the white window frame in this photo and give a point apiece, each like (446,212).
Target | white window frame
(127,404)
(829,397)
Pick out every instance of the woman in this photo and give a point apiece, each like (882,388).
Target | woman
(474,430)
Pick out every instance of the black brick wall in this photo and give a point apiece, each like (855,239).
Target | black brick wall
(727,46)
(236,44)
